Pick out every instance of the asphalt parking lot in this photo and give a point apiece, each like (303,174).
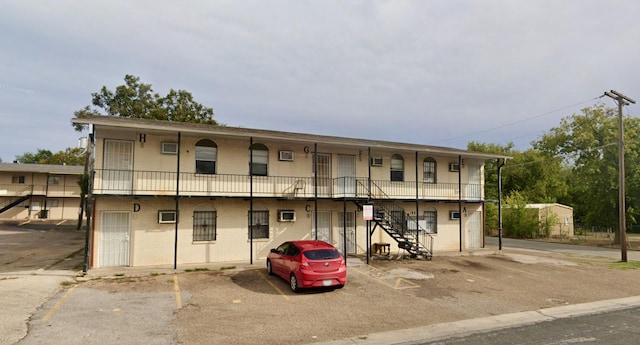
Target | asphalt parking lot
(241,304)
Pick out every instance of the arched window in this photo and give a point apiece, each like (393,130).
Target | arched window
(258,160)
(431,219)
(204,223)
(429,170)
(206,157)
(259,223)
(397,168)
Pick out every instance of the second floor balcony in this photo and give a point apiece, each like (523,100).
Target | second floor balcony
(51,191)
(156,183)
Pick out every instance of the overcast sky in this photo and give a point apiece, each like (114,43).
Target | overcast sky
(429,72)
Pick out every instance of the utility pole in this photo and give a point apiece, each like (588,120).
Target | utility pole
(622,101)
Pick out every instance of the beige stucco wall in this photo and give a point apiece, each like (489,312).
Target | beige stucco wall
(152,243)
(61,200)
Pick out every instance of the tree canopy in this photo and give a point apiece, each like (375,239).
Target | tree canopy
(135,99)
(70,156)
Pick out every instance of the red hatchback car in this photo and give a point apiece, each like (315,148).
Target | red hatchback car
(308,264)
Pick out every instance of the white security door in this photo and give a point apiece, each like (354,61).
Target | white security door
(473,187)
(346,176)
(114,239)
(350,221)
(118,167)
(323,174)
(324,226)
(474,230)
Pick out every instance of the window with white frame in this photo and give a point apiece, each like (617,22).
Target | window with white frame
(17,179)
(431,220)
(53,180)
(258,160)
(259,224)
(204,224)
(397,168)
(429,170)
(206,157)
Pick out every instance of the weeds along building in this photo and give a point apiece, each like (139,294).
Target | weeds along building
(166,193)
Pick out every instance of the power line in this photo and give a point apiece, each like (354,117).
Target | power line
(523,120)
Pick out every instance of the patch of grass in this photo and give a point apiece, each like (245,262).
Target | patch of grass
(119,275)
(197,269)
(67,283)
(154,274)
(227,268)
(630,265)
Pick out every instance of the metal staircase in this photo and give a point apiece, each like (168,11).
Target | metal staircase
(13,203)
(403,228)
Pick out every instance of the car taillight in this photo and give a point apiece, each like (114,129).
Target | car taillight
(304,264)
(342,262)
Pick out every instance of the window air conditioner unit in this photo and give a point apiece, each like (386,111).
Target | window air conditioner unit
(376,161)
(167,217)
(454,167)
(286,156)
(454,215)
(286,216)
(170,148)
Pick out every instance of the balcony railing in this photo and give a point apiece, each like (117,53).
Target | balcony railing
(126,182)
(27,189)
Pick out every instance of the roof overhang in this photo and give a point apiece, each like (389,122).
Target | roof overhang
(195,129)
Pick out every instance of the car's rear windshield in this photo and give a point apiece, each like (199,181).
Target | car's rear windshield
(322,254)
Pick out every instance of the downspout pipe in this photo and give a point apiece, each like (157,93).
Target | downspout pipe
(369,241)
(500,164)
(250,201)
(460,199)
(89,198)
(177,201)
(417,205)
(315,188)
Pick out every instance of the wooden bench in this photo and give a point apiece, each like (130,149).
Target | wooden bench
(381,248)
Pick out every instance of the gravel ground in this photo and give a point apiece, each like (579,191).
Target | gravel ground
(241,304)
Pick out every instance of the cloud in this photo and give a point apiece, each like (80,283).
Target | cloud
(431,72)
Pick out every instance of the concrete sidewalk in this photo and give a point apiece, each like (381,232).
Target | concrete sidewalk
(463,328)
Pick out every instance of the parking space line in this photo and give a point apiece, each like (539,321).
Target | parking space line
(380,276)
(278,290)
(176,289)
(59,303)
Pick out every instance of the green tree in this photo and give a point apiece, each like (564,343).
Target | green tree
(519,220)
(587,142)
(491,178)
(135,99)
(70,156)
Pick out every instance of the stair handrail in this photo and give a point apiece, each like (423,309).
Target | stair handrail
(429,238)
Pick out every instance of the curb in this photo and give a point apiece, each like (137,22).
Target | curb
(463,328)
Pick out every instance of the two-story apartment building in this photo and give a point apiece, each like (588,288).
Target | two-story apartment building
(39,191)
(180,193)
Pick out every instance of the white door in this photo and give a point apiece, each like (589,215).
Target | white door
(114,239)
(346,176)
(323,174)
(324,226)
(350,221)
(474,230)
(473,187)
(118,167)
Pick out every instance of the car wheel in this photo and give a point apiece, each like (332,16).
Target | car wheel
(269,268)
(339,286)
(293,282)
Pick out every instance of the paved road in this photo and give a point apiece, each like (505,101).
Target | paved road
(616,327)
(615,254)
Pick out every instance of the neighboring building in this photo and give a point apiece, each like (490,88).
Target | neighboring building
(180,193)
(39,191)
(559,216)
